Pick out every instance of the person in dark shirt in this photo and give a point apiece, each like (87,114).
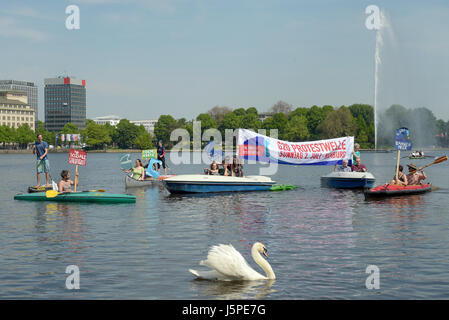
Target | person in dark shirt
(358,167)
(40,149)
(161,156)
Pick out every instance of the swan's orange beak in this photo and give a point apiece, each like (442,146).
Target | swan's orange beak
(265,252)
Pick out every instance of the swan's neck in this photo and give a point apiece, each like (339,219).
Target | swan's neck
(263,264)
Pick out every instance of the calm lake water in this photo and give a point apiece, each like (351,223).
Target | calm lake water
(320,241)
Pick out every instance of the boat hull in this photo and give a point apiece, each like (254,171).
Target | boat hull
(206,183)
(148,182)
(348,180)
(133,183)
(93,197)
(387,190)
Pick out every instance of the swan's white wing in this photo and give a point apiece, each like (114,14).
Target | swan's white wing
(230,263)
(208,275)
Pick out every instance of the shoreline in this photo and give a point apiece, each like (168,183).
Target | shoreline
(29,151)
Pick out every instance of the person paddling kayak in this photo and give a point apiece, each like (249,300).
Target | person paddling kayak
(414,177)
(65,185)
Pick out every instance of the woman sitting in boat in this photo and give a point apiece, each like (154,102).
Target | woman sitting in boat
(236,168)
(358,167)
(401,179)
(213,170)
(344,167)
(138,172)
(65,185)
(414,177)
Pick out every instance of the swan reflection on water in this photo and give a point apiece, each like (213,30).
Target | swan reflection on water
(233,290)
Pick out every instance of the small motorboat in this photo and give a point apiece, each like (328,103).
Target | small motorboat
(130,182)
(83,196)
(390,190)
(348,180)
(197,183)
(417,155)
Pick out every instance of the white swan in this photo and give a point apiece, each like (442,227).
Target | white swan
(228,264)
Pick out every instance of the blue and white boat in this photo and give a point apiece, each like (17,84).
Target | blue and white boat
(348,180)
(199,183)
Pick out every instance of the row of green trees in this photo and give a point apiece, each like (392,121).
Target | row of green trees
(299,124)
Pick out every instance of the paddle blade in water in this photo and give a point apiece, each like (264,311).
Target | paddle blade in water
(51,193)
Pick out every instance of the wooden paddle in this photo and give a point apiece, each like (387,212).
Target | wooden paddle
(54,193)
(438,160)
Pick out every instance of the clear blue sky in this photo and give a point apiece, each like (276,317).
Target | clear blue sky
(144,58)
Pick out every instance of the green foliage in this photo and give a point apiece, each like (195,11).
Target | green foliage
(207,121)
(230,121)
(69,128)
(24,135)
(126,134)
(163,128)
(143,140)
(96,135)
(297,129)
(338,123)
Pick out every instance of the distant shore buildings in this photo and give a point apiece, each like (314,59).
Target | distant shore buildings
(25,86)
(65,101)
(114,120)
(15,110)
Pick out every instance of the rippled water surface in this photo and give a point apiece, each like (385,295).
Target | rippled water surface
(319,240)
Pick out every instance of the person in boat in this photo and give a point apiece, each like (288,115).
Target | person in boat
(161,157)
(344,167)
(401,179)
(65,185)
(358,166)
(236,168)
(225,169)
(213,170)
(138,172)
(355,153)
(414,177)
(40,149)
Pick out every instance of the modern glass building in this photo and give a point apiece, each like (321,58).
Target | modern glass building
(65,101)
(29,87)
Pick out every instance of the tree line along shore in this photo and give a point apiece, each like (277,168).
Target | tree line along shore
(293,124)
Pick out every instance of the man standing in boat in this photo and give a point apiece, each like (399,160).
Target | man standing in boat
(414,177)
(161,156)
(40,149)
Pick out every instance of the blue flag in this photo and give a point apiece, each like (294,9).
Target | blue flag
(401,141)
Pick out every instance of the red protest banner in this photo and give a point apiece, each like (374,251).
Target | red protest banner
(78,157)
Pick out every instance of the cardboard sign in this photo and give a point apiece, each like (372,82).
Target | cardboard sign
(149,154)
(77,157)
(401,140)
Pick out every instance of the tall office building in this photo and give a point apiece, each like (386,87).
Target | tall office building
(65,101)
(29,87)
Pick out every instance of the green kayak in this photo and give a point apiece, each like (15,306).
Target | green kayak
(84,196)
